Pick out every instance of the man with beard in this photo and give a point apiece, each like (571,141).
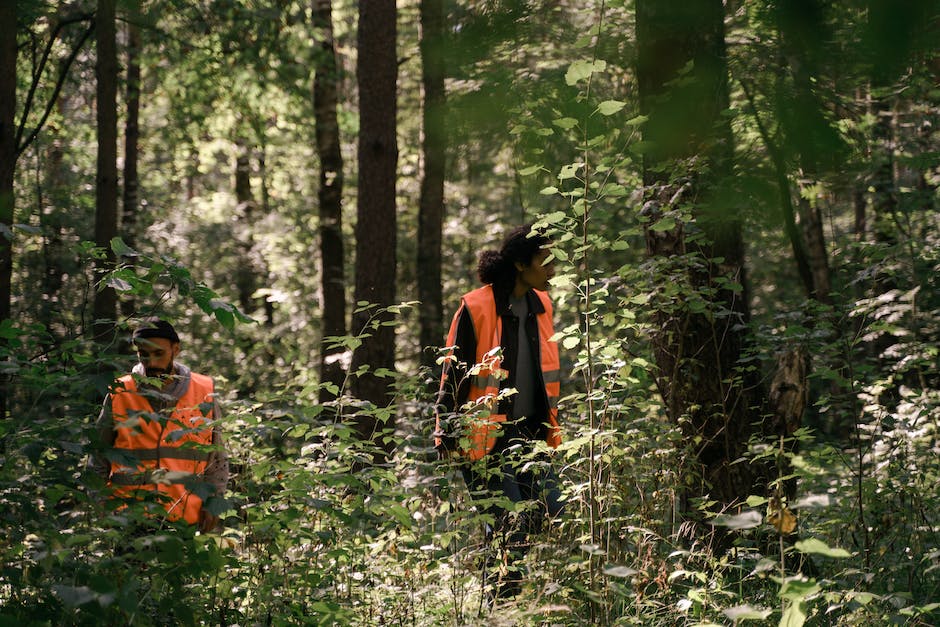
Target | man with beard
(157,429)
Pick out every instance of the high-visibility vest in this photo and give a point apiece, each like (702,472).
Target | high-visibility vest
(486,374)
(168,451)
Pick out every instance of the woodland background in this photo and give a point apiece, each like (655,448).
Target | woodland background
(743,200)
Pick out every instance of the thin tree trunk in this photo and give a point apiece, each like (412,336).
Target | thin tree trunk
(7,150)
(431,204)
(860,226)
(802,31)
(885,200)
(330,196)
(191,174)
(105,304)
(51,217)
(245,276)
(787,213)
(377,72)
(7,166)
(131,205)
(267,304)
(812,226)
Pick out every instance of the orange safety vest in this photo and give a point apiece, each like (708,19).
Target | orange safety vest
(486,374)
(176,445)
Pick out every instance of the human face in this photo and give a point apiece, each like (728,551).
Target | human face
(536,274)
(156,354)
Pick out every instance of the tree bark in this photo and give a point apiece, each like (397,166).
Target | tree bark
(812,226)
(252,271)
(51,219)
(7,150)
(7,166)
(802,32)
(105,303)
(884,199)
(330,196)
(431,203)
(262,273)
(377,71)
(131,203)
(246,280)
(700,340)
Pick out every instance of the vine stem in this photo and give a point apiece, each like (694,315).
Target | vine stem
(593,475)
(860,474)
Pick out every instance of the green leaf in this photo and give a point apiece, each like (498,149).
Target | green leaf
(580,70)
(798,589)
(119,285)
(746,612)
(73,596)
(619,571)
(225,317)
(755,501)
(7,330)
(640,119)
(793,616)
(744,520)
(529,171)
(569,171)
(817,546)
(570,342)
(548,191)
(593,549)
(217,506)
(664,224)
(121,249)
(610,107)
(614,189)
(565,123)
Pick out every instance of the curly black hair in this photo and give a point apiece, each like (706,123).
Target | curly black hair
(498,267)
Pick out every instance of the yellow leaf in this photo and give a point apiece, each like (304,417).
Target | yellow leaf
(783,520)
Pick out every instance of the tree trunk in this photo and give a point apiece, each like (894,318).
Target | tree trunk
(246,280)
(802,31)
(884,200)
(377,71)
(812,225)
(7,165)
(51,219)
(267,304)
(105,305)
(252,270)
(131,205)
(7,150)
(700,341)
(330,196)
(431,204)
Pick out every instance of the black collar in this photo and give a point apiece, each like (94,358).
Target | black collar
(502,302)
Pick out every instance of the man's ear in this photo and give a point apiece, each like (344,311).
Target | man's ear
(176,349)
(519,266)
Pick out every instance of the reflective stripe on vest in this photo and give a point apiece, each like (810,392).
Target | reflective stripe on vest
(170,451)
(486,374)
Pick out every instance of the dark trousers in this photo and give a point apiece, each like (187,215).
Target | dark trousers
(515,473)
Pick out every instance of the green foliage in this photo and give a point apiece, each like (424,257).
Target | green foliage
(545,126)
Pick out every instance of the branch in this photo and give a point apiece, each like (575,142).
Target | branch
(786,204)
(21,146)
